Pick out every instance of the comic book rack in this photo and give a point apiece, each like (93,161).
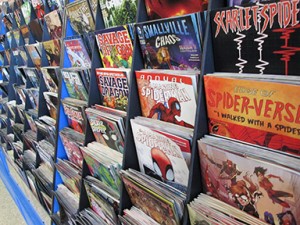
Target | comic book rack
(130,157)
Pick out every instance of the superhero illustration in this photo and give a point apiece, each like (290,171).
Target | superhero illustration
(168,114)
(246,194)
(162,164)
(265,183)
(269,218)
(286,218)
(211,189)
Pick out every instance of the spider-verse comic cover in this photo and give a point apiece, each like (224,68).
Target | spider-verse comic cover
(264,190)
(115,46)
(257,112)
(168,97)
(169,8)
(258,38)
(172,43)
(106,131)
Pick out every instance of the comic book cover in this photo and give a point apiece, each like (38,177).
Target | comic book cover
(262,39)
(171,43)
(2,57)
(257,112)
(167,9)
(16,34)
(113,86)
(168,97)
(36,29)
(118,12)
(7,54)
(93,6)
(80,16)
(26,11)
(17,14)
(52,103)
(52,49)
(54,4)
(38,7)
(23,55)
(159,156)
(25,33)
(74,85)
(106,131)
(77,53)
(72,146)
(154,205)
(34,54)
(262,189)
(7,20)
(115,47)
(101,171)
(9,38)
(51,79)
(33,76)
(54,24)
(75,115)
(33,95)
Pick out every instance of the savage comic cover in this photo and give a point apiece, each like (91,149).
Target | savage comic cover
(118,12)
(257,112)
(166,8)
(113,86)
(172,43)
(263,190)
(159,155)
(261,38)
(167,97)
(115,46)
(80,16)
(77,53)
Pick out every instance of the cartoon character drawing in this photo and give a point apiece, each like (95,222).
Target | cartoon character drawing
(168,114)
(211,189)
(268,217)
(246,194)
(265,183)
(162,164)
(286,218)
(164,58)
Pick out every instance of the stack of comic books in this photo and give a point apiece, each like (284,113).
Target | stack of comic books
(108,126)
(29,159)
(163,150)
(46,151)
(261,182)
(161,202)
(46,126)
(135,216)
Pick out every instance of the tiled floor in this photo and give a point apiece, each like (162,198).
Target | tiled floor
(9,213)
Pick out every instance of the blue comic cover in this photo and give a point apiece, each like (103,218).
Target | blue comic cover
(172,43)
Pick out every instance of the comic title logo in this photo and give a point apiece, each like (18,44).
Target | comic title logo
(73,114)
(153,140)
(166,33)
(113,86)
(285,13)
(98,126)
(115,41)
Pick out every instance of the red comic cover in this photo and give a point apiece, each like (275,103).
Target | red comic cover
(262,189)
(113,86)
(257,112)
(75,116)
(168,97)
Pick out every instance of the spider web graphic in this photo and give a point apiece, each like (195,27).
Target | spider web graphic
(239,42)
(260,40)
(287,51)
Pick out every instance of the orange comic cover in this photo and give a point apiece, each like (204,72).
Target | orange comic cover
(257,112)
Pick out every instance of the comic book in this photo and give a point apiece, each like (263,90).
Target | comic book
(77,52)
(113,86)
(118,12)
(80,16)
(167,9)
(172,43)
(7,54)
(38,7)
(25,33)
(93,7)
(52,103)
(26,11)
(33,76)
(54,24)
(75,86)
(33,95)
(168,97)
(35,27)
(23,55)
(250,181)
(160,208)
(106,131)
(160,156)
(53,51)
(259,40)
(16,34)
(17,14)
(115,46)
(8,21)
(34,54)
(72,140)
(9,37)
(54,4)
(51,78)
(74,110)
(256,110)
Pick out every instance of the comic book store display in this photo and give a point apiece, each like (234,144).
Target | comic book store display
(154,112)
